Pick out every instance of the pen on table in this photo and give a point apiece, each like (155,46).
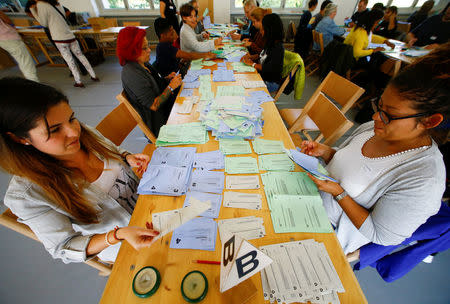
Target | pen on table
(206,262)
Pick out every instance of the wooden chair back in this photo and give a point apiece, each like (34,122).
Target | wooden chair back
(131,23)
(286,82)
(117,125)
(331,122)
(9,220)
(340,89)
(318,38)
(111,22)
(21,21)
(137,118)
(403,26)
(97,23)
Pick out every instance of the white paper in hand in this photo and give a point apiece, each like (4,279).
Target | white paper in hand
(240,261)
(167,221)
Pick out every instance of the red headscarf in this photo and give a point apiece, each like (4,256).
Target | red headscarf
(129,44)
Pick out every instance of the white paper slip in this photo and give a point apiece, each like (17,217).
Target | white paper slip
(242,200)
(186,107)
(195,99)
(238,182)
(253,84)
(248,227)
(167,221)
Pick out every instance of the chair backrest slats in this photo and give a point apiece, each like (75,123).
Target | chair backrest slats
(117,125)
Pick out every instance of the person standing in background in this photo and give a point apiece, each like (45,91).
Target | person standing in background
(307,14)
(168,10)
(11,42)
(51,14)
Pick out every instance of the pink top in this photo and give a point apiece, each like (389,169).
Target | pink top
(7,32)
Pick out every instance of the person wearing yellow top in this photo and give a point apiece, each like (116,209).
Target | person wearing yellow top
(359,36)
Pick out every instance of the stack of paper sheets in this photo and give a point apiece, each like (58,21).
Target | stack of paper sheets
(234,146)
(188,103)
(236,90)
(214,199)
(205,88)
(241,165)
(248,228)
(301,271)
(235,56)
(240,67)
(199,233)
(253,84)
(259,97)
(182,134)
(309,164)
(275,162)
(266,146)
(168,172)
(207,181)
(212,160)
(242,200)
(238,182)
(223,75)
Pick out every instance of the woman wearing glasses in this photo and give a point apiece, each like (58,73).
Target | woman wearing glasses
(391,174)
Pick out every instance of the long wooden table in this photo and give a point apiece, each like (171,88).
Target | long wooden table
(174,264)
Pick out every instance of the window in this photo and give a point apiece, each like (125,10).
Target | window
(128,5)
(402,3)
(372,2)
(274,4)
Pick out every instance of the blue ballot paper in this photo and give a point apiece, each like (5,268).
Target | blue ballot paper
(186,92)
(190,78)
(197,73)
(222,64)
(199,233)
(164,180)
(209,160)
(215,199)
(259,97)
(191,85)
(177,157)
(168,172)
(207,181)
(223,75)
(308,163)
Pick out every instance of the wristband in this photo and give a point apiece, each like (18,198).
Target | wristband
(340,196)
(254,63)
(170,88)
(115,234)
(106,239)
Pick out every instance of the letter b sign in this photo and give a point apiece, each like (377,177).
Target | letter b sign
(249,259)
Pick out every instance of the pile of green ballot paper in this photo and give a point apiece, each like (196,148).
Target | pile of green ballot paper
(182,134)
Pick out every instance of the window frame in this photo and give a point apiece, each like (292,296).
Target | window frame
(282,9)
(127,10)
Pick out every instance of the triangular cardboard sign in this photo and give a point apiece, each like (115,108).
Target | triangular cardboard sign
(240,261)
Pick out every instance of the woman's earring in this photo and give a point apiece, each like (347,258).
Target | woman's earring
(27,144)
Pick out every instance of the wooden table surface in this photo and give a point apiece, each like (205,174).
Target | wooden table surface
(174,264)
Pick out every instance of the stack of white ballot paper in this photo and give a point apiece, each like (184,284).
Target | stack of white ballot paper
(253,84)
(242,200)
(301,271)
(248,228)
(168,172)
(238,182)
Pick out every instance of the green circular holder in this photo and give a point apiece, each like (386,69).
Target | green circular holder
(202,296)
(153,290)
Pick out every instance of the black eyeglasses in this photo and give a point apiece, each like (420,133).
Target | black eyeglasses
(386,118)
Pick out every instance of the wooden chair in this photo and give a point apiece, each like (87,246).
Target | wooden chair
(111,22)
(9,220)
(313,64)
(131,23)
(320,115)
(137,118)
(97,23)
(117,125)
(404,27)
(21,21)
(339,89)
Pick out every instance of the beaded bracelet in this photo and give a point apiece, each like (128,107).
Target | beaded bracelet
(106,239)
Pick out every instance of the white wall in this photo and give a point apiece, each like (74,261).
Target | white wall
(221,11)
(81,6)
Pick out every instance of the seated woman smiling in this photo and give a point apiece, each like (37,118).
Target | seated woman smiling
(150,94)
(70,185)
(390,171)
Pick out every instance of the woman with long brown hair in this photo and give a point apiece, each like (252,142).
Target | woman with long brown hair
(70,185)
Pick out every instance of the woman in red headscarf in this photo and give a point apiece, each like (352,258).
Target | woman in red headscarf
(149,93)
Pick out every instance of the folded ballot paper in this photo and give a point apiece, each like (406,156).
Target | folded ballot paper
(215,199)
(265,146)
(240,261)
(168,172)
(167,221)
(309,164)
(207,181)
(212,160)
(301,271)
(199,233)
(248,228)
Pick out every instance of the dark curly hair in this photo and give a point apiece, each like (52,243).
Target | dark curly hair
(426,83)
